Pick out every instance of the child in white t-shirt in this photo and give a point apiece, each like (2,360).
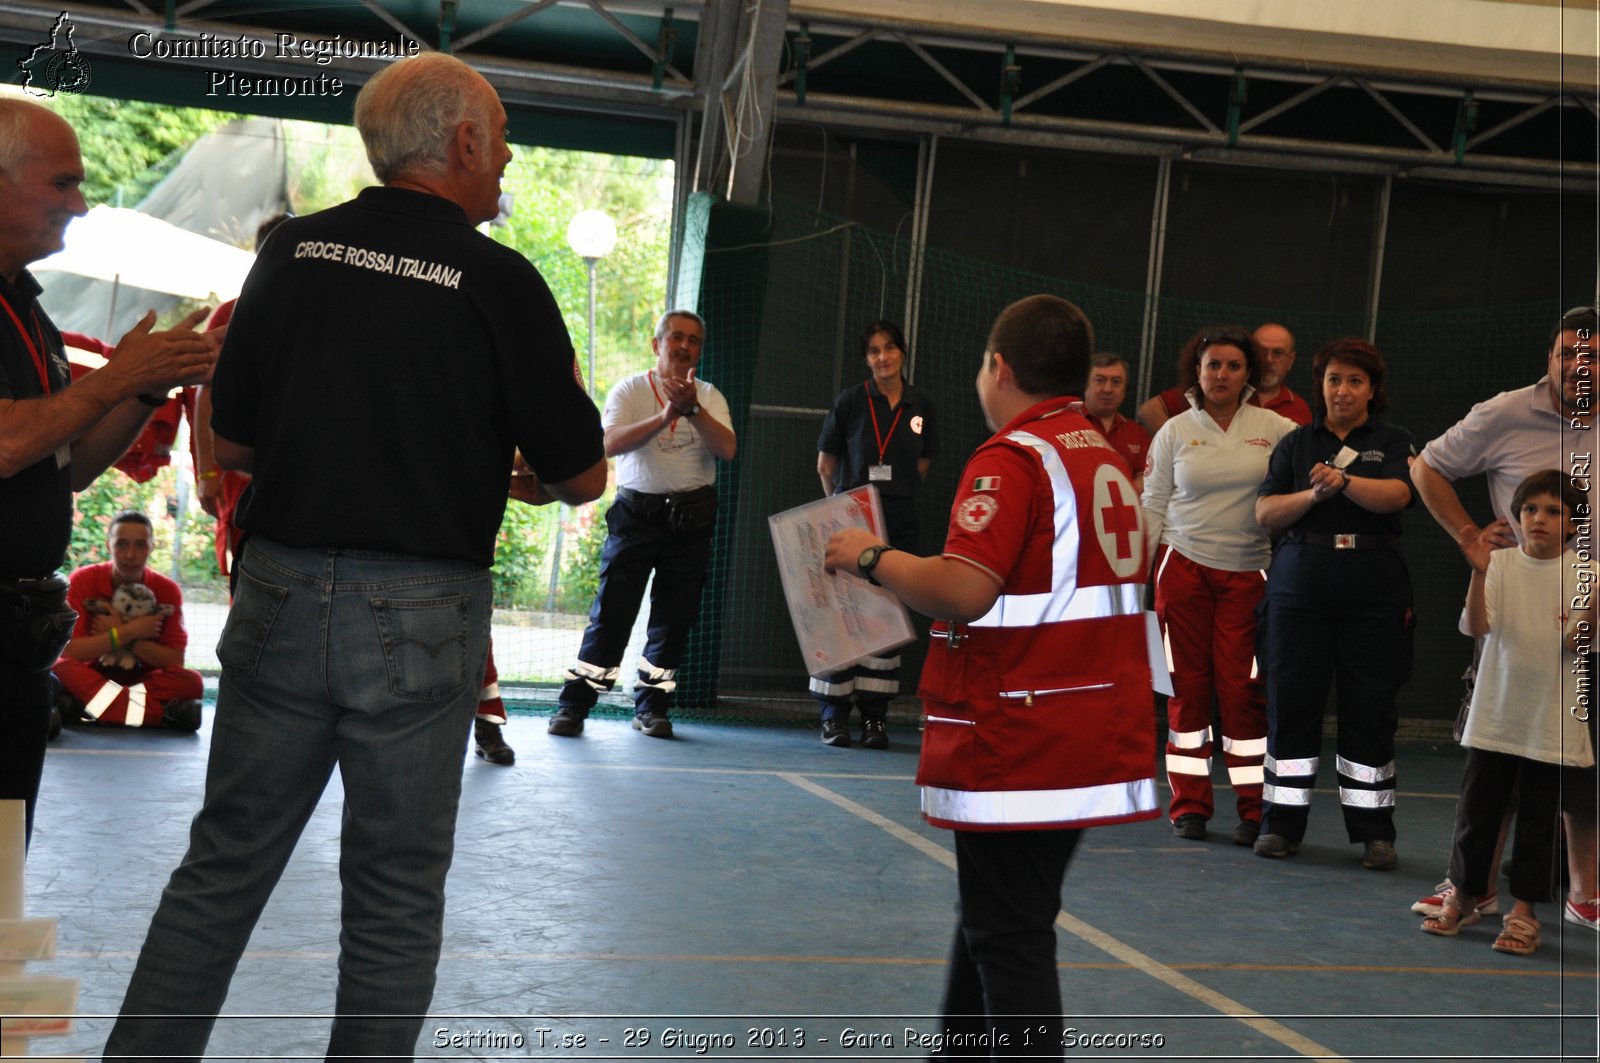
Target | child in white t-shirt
(1532,607)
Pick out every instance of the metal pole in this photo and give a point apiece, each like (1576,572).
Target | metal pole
(589,382)
(927,155)
(1152,279)
(1380,247)
(561,510)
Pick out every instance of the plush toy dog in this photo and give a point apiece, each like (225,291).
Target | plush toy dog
(128,602)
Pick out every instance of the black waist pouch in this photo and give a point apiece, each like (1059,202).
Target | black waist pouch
(35,622)
(692,511)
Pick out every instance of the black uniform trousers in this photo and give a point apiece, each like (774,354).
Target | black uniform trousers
(1002,984)
(1335,617)
(640,541)
(1491,784)
(35,625)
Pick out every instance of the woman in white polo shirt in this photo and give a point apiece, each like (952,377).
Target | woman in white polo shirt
(1210,572)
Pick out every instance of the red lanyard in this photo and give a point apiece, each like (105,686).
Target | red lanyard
(872,408)
(651,376)
(27,340)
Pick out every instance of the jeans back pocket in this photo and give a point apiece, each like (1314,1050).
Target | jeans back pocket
(250,619)
(424,645)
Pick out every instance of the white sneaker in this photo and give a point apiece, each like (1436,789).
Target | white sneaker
(1433,906)
(1584,913)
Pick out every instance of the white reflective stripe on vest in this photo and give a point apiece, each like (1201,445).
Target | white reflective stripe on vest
(1068,601)
(1362,773)
(1082,804)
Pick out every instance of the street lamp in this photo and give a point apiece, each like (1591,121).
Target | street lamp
(591,234)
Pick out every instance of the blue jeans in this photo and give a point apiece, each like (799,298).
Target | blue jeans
(368,661)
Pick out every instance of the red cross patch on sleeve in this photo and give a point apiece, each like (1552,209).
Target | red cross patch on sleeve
(975,512)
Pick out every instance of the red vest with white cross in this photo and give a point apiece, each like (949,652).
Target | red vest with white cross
(1039,713)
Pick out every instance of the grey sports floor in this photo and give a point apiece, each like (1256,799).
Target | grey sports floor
(745,892)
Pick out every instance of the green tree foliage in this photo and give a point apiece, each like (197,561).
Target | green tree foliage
(520,573)
(112,493)
(580,568)
(132,146)
(129,145)
(327,165)
(551,186)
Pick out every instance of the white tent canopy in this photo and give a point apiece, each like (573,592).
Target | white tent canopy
(130,248)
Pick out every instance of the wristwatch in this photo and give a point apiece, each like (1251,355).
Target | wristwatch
(694,411)
(869,560)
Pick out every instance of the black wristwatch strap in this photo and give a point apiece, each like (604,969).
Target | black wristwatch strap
(153,401)
(877,555)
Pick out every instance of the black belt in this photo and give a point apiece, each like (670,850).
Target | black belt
(1350,541)
(646,497)
(42,585)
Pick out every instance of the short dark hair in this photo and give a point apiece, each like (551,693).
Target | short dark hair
(889,327)
(1579,317)
(264,230)
(130,516)
(1547,482)
(1105,360)
(1046,341)
(1217,336)
(1365,357)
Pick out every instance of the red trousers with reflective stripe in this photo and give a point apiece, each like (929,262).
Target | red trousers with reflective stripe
(491,706)
(1209,619)
(84,680)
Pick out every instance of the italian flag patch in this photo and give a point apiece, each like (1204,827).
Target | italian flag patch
(986,483)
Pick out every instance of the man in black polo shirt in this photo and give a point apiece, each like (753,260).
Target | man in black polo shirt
(385,364)
(54,439)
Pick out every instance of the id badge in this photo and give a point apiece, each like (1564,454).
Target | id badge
(879,474)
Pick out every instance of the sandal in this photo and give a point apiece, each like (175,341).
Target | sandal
(1451,918)
(1518,936)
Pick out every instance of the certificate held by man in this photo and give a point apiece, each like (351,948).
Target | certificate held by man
(838,618)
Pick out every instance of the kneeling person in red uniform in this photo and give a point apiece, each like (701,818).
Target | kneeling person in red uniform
(124,665)
(1037,683)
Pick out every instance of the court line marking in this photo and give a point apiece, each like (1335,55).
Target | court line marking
(1129,955)
(687,770)
(865,961)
